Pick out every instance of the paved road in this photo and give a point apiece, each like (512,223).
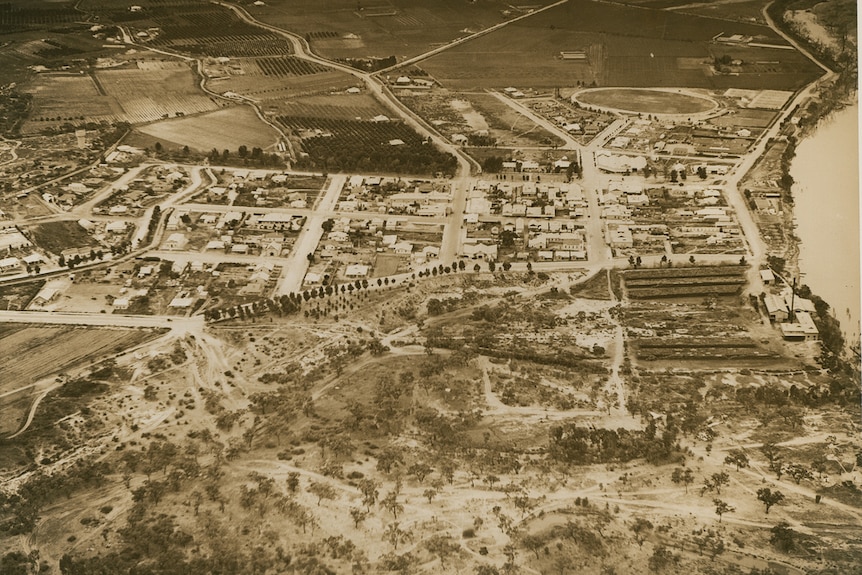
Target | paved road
(466,165)
(194,323)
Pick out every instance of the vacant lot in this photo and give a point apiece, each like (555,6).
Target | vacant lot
(646,101)
(31,353)
(225,129)
(57,236)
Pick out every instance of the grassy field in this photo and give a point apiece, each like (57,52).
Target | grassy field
(625,46)
(31,353)
(224,129)
(646,101)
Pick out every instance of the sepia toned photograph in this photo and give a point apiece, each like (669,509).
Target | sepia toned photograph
(430,287)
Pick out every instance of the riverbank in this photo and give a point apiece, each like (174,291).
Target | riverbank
(795,247)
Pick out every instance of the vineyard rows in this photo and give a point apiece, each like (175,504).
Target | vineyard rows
(683,291)
(14,18)
(694,342)
(685,272)
(288,66)
(703,280)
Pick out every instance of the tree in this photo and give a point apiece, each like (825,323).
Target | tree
(368,488)
(797,472)
(641,528)
(533,543)
(722,507)
(322,491)
(718,480)
(292,481)
(390,503)
(769,497)
(683,475)
(395,535)
(442,546)
(783,537)
(661,558)
(737,457)
(358,515)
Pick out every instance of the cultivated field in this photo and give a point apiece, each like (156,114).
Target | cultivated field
(225,129)
(155,91)
(61,98)
(624,46)
(31,353)
(335,106)
(357,145)
(646,101)
(345,29)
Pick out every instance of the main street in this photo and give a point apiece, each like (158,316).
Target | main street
(309,237)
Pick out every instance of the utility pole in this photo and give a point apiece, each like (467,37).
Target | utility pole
(793,301)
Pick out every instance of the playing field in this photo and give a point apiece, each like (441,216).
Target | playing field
(225,129)
(646,101)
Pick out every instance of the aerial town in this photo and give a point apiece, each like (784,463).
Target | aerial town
(462,287)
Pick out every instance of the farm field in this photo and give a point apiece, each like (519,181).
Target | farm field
(31,353)
(359,146)
(646,101)
(335,106)
(403,28)
(153,91)
(61,98)
(625,46)
(225,129)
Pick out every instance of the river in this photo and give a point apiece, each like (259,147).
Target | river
(826,209)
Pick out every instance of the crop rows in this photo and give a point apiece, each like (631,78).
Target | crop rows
(683,291)
(703,280)
(721,353)
(354,145)
(694,342)
(288,66)
(685,272)
(16,17)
